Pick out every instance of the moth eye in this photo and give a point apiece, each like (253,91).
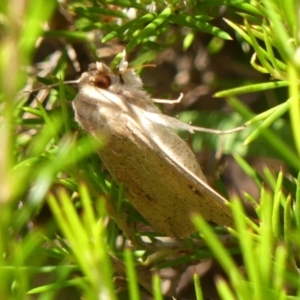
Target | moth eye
(101,81)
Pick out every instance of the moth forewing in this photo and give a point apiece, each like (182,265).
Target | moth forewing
(161,175)
(199,196)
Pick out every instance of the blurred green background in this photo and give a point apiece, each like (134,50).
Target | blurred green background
(236,62)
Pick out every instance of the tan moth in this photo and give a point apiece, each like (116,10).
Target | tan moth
(161,175)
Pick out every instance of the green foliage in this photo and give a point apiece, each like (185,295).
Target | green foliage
(56,239)
(267,249)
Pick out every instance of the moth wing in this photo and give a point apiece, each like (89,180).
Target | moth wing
(161,175)
(211,205)
(162,186)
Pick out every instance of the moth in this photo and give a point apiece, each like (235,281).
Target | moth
(161,176)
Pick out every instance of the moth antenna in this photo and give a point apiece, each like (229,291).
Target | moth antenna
(143,66)
(123,66)
(216,131)
(51,86)
(122,71)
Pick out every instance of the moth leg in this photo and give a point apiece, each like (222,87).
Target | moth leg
(175,124)
(166,101)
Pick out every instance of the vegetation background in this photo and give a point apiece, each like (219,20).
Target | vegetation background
(236,61)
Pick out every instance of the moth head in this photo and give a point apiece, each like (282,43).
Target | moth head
(101,75)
